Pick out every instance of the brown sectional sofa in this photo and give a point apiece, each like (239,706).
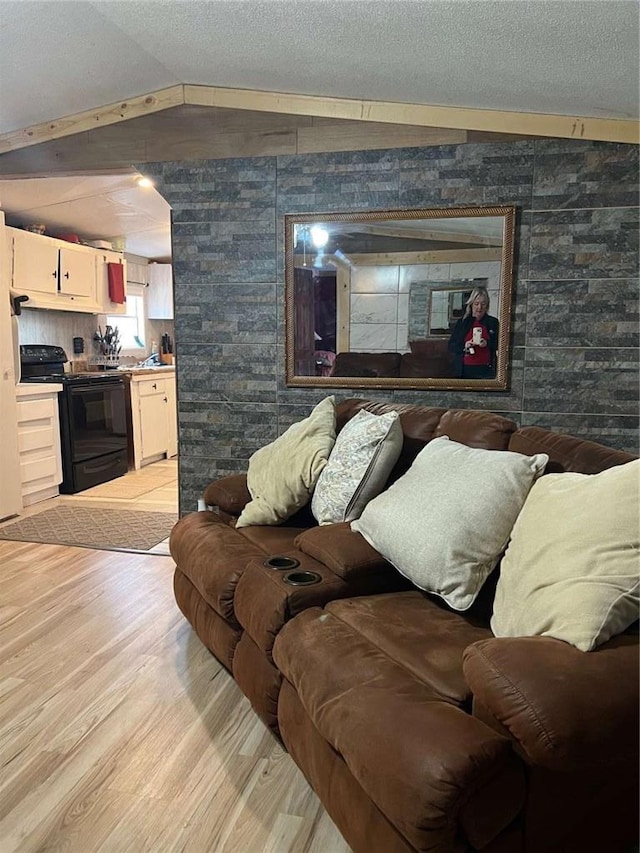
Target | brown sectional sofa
(417,728)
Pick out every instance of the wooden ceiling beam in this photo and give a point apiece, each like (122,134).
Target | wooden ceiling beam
(423,115)
(382,112)
(91,119)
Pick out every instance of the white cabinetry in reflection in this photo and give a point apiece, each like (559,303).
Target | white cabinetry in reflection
(153,416)
(39,441)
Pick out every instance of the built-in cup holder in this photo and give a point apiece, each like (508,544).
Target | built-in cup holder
(281,563)
(302,578)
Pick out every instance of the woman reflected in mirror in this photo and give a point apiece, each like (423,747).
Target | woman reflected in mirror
(474,339)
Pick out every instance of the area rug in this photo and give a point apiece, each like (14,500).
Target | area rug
(103,529)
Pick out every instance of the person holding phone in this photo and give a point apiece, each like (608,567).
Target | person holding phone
(474,339)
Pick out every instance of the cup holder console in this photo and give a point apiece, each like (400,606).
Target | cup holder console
(281,563)
(302,578)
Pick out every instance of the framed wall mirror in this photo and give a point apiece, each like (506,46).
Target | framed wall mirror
(399,298)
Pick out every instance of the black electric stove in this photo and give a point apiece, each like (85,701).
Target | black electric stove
(43,363)
(93,417)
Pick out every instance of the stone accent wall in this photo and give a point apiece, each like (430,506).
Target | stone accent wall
(574,357)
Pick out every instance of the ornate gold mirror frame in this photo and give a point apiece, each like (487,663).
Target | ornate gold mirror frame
(358,295)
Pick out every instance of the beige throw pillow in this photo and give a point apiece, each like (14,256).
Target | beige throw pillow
(445,523)
(571,568)
(367,448)
(281,476)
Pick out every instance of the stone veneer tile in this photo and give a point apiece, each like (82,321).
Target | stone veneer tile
(571,173)
(572,244)
(226,313)
(600,313)
(337,181)
(586,380)
(519,314)
(209,191)
(619,431)
(225,430)
(229,252)
(521,245)
(471,174)
(228,372)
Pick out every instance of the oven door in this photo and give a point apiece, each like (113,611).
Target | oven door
(93,431)
(97,422)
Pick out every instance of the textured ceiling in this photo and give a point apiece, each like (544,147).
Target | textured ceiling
(61,57)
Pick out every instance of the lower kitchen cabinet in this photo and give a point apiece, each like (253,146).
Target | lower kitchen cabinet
(39,441)
(153,416)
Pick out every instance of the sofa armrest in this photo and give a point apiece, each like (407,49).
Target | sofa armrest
(341,549)
(229,493)
(566,709)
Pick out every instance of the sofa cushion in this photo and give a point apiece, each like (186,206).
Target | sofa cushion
(445,523)
(362,458)
(281,476)
(571,568)
(213,556)
(342,550)
(381,675)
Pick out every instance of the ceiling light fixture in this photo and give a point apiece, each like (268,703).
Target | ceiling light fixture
(319,236)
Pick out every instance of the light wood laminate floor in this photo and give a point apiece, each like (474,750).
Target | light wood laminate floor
(119,731)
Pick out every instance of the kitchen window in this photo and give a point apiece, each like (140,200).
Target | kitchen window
(131,323)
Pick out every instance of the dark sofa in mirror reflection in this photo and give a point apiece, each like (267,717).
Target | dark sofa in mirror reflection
(428,358)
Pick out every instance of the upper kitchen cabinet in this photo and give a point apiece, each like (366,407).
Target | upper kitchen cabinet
(160,293)
(137,273)
(107,305)
(54,274)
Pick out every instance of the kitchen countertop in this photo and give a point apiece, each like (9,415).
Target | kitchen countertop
(147,371)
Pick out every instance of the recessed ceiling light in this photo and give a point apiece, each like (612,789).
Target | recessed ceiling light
(145,182)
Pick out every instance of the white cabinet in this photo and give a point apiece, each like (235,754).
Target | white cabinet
(153,416)
(137,273)
(10,491)
(104,299)
(54,274)
(77,272)
(160,293)
(38,441)
(35,263)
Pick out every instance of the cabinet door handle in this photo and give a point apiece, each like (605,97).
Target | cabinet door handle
(154,386)
(166,399)
(55,273)
(66,275)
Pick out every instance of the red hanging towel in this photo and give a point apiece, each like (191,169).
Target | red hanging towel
(116,283)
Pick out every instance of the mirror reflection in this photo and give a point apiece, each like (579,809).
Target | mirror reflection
(399,298)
